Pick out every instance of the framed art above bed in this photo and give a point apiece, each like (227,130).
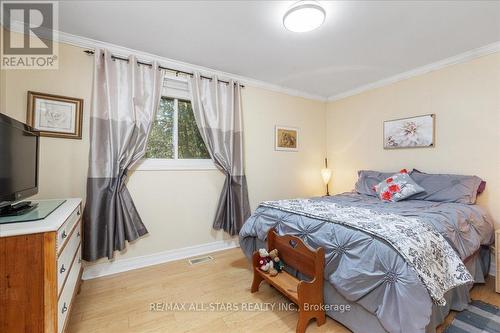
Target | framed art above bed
(413,132)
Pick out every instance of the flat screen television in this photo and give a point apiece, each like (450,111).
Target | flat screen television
(19,149)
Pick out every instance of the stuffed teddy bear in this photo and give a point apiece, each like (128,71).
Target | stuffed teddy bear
(277,263)
(265,261)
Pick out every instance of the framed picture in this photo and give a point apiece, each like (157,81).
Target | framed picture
(414,132)
(55,116)
(286,138)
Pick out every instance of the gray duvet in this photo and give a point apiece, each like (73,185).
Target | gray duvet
(368,272)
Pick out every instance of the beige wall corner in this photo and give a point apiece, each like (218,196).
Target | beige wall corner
(466,100)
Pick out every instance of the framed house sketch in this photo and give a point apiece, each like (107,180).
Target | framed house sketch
(55,116)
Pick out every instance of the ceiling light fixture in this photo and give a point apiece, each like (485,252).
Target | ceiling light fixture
(304,16)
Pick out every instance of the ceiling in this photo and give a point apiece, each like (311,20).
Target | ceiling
(360,42)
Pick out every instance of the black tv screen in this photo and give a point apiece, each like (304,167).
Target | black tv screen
(18,160)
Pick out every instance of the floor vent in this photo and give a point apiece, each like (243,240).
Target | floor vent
(196,261)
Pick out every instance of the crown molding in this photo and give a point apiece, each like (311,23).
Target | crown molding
(90,43)
(85,42)
(457,59)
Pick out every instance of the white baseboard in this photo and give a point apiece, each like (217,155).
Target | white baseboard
(123,265)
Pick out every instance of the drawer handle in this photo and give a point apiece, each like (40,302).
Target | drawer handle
(64,308)
(63,269)
(64,235)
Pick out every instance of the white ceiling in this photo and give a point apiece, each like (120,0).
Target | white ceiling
(361,41)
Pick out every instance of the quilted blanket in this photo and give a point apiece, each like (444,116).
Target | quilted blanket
(394,260)
(424,249)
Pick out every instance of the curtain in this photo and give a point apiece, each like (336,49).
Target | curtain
(217,110)
(124,101)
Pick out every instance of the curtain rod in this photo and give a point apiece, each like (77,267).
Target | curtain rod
(176,71)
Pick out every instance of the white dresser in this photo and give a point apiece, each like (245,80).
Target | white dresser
(40,270)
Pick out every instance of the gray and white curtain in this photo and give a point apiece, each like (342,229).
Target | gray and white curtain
(217,110)
(124,102)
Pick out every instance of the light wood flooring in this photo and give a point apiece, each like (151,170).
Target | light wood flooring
(121,303)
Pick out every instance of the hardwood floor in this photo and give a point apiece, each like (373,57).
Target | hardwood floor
(122,303)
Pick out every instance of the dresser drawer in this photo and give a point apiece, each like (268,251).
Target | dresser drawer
(64,303)
(65,229)
(67,255)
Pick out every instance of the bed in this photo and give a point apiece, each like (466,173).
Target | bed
(384,286)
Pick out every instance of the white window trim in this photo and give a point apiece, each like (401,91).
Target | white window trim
(160,164)
(176,129)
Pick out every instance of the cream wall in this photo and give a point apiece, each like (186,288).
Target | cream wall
(177,206)
(63,162)
(466,100)
(277,174)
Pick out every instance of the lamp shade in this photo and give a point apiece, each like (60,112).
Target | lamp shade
(326,174)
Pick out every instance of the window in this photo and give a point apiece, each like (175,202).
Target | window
(175,141)
(174,134)
(161,138)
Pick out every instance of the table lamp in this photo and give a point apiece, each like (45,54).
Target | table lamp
(327,175)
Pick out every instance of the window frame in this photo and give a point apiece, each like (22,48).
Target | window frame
(175,88)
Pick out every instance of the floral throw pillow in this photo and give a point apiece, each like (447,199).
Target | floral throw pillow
(397,187)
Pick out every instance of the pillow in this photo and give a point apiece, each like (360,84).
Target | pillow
(481,187)
(367,179)
(397,187)
(447,188)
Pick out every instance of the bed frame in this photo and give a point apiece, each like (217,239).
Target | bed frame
(308,295)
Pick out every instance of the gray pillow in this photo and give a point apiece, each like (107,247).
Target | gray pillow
(367,179)
(446,188)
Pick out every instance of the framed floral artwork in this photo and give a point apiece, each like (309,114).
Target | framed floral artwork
(55,116)
(286,138)
(413,132)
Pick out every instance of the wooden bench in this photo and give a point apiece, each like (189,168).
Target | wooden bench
(308,295)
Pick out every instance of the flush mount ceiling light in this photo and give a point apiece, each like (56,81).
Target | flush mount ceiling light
(304,16)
